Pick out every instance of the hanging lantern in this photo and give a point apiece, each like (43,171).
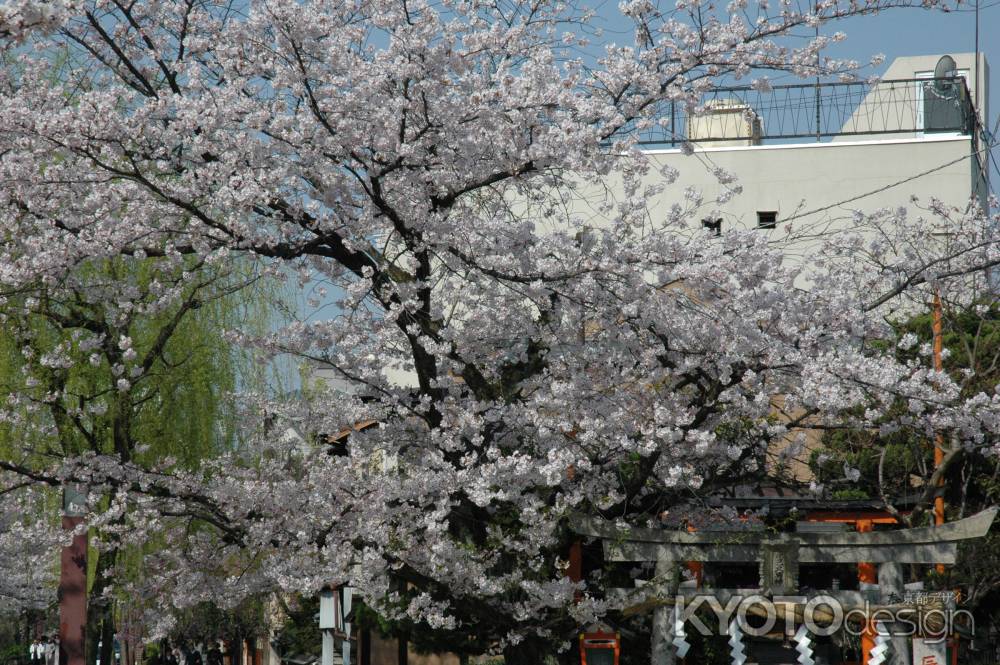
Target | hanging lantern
(599,648)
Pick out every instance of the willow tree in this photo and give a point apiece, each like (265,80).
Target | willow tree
(146,379)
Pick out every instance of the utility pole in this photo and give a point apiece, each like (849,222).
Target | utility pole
(819,132)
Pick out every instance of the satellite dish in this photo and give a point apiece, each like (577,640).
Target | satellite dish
(945,67)
(944,74)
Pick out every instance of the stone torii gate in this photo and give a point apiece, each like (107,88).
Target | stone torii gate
(779,556)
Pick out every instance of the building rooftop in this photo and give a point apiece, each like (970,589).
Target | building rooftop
(885,108)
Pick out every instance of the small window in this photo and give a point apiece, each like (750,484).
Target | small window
(767,219)
(714,225)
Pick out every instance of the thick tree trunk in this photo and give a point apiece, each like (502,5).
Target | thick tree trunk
(100,615)
(108,636)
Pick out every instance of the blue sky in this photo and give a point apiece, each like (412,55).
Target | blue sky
(928,32)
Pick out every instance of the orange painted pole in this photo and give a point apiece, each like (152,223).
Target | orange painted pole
(938,439)
(868,641)
(697,570)
(867,571)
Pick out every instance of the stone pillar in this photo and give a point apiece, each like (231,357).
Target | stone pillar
(866,575)
(327,623)
(663,587)
(345,610)
(891,590)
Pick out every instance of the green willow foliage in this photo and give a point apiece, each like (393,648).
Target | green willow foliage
(185,412)
(182,408)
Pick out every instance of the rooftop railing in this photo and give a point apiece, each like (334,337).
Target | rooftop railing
(733,116)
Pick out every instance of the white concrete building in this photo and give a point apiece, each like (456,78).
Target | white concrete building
(813,154)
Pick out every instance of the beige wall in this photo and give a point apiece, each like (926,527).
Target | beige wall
(822,181)
(816,187)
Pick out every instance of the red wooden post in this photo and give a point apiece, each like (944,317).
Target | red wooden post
(73,587)
(574,570)
(696,568)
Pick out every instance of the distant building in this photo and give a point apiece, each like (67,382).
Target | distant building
(812,154)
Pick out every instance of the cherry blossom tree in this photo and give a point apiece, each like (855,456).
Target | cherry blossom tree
(509,350)
(19,18)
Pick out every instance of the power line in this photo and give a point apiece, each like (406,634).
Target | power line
(879,190)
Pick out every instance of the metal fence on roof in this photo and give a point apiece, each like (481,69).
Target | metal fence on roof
(820,111)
